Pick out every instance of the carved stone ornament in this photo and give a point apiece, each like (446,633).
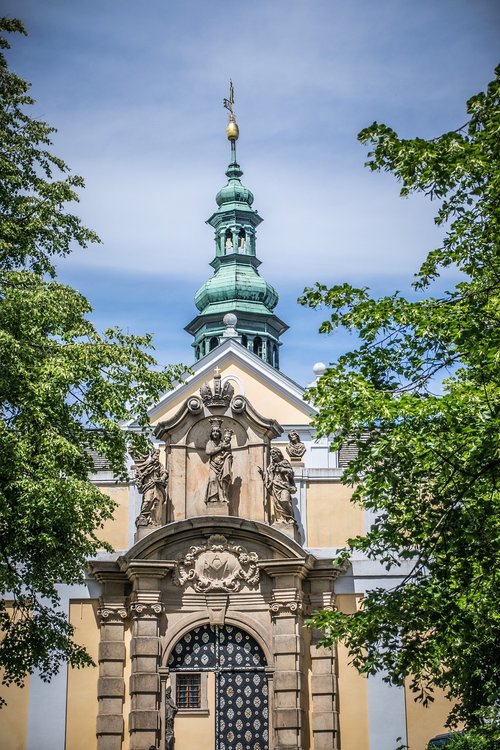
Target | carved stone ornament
(291,607)
(295,447)
(144,610)
(217,566)
(221,395)
(151,481)
(111,614)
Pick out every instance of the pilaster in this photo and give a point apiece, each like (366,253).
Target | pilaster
(146,611)
(286,607)
(111,686)
(144,718)
(324,678)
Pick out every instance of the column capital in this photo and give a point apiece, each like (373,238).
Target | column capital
(286,607)
(146,610)
(109,614)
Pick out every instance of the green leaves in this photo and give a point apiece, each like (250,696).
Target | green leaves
(65,390)
(420,397)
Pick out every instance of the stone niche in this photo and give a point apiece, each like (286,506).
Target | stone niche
(187,436)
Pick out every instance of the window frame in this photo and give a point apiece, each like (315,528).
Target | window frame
(202,709)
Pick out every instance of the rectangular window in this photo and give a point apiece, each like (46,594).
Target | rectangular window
(188,690)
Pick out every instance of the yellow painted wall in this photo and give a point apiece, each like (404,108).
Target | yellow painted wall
(424,723)
(82,683)
(115,531)
(331,517)
(192,731)
(14,717)
(353,691)
(267,400)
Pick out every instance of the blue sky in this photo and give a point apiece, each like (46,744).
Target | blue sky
(135,91)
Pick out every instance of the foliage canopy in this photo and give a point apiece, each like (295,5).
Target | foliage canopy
(420,398)
(64,391)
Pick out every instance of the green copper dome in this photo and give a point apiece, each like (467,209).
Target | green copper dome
(234,191)
(237,280)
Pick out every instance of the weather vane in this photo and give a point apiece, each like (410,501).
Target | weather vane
(232,130)
(228,103)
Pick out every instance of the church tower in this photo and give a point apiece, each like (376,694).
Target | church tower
(236,300)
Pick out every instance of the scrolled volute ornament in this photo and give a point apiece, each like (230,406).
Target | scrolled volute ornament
(238,404)
(111,614)
(194,405)
(283,608)
(144,610)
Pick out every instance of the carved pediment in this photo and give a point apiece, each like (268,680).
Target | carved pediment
(217,565)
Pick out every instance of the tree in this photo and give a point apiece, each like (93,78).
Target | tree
(64,391)
(420,399)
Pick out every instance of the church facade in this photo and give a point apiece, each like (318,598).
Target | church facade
(225,538)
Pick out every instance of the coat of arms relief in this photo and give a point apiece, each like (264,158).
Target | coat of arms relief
(217,565)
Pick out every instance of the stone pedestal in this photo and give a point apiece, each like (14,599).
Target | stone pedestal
(143,531)
(218,509)
(290,529)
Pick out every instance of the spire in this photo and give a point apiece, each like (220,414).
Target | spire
(236,286)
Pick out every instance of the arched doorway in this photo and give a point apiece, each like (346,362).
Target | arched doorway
(239,706)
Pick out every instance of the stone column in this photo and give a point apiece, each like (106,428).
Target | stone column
(290,691)
(144,720)
(324,679)
(146,610)
(110,686)
(288,713)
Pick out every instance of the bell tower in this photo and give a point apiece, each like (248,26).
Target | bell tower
(236,286)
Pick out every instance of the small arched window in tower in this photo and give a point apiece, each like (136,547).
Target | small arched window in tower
(244,341)
(197,352)
(242,241)
(257,346)
(228,243)
(221,243)
(214,341)
(275,357)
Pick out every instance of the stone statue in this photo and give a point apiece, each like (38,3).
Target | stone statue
(295,448)
(151,482)
(221,460)
(279,482)
(170,711)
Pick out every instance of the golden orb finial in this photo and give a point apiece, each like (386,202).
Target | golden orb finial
(232,130)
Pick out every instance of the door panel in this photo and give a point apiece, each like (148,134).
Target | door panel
(241,701)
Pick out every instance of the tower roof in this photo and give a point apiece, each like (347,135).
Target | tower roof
(236,285)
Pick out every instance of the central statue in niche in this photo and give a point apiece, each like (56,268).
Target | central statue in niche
(220,455)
